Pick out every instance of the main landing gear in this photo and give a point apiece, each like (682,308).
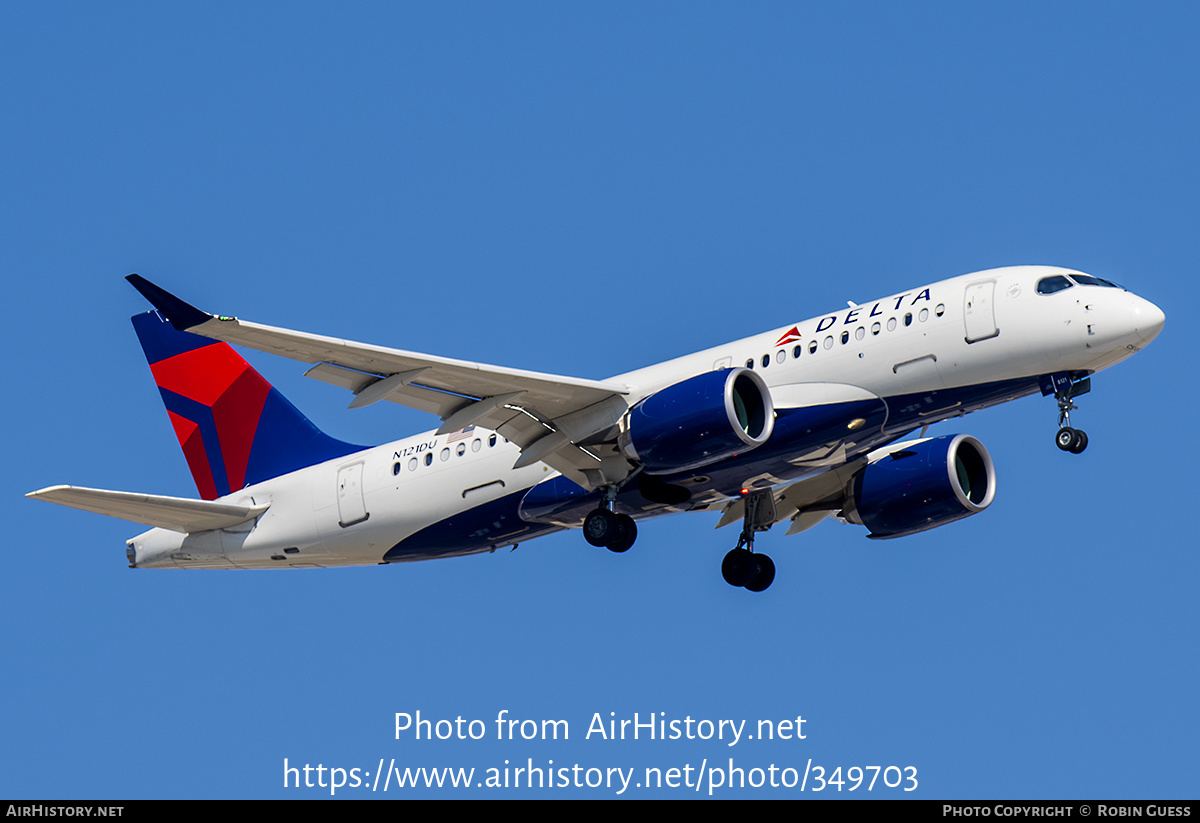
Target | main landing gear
(742,566)
(1067,438)
(607,529)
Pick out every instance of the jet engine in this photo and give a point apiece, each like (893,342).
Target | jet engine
(921,485)
(699,421)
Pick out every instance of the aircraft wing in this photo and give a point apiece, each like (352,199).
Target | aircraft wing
(548,416)
(806,503)
(809,501)
(178,514)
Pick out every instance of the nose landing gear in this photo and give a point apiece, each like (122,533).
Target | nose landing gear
(1067,438)
(742,567)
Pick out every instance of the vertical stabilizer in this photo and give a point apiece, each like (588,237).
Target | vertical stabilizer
(234,427)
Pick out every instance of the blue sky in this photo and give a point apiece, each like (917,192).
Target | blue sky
(585,189)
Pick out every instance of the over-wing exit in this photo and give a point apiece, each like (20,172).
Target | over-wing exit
(809,421)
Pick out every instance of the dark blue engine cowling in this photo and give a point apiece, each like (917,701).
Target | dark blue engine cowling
(923,485)
(704,419)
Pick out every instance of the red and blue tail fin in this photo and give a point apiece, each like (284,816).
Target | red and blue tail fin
(235,428)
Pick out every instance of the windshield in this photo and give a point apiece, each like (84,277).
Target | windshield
(1049,285)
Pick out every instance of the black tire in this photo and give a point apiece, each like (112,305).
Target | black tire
(765,574)
(739,567)
(1080,441)
(627,530)
(1065,438)
(600,527)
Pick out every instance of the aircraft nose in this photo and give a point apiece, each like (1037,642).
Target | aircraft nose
(1148,319)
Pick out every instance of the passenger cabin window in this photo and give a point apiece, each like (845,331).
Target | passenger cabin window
(1049,285)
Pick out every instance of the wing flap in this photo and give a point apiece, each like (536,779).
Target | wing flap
(806,502)
(178,514)
(414,397)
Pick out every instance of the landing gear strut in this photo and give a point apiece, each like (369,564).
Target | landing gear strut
(607,529)
(741,566)
(1067,438)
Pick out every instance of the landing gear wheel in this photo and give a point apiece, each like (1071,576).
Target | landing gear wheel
(739,567)
(609,530)
(628,533)
(764,575)
(1069,439)
(600,527)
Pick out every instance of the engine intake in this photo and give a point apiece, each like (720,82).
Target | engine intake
(922,485)
(699,421)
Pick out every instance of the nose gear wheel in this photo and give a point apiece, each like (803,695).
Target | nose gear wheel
(1067,438)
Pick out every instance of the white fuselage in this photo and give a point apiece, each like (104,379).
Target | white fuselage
(975,330)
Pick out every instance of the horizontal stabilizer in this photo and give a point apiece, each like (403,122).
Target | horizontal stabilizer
(179,514)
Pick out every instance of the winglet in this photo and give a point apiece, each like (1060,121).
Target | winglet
(183,316)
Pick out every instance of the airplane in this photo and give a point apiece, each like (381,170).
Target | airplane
(801,423)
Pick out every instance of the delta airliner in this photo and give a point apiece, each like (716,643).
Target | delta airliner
(800,423)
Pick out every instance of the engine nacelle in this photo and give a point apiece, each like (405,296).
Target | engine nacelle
(704,419)
(922,485)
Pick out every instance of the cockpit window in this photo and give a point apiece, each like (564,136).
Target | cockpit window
(1049,285)
(1088,280)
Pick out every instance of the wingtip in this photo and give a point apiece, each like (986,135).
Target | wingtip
(182,315)
(43,493)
